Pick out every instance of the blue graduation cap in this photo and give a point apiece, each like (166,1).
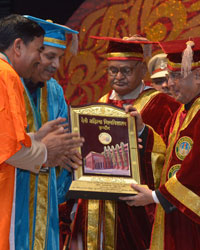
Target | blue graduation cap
(55,33)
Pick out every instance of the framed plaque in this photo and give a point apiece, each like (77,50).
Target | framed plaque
(110,152)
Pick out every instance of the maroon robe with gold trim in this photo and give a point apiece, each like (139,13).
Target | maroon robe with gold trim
(180,183)
(129,227)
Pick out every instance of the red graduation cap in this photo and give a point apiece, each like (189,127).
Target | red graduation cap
(182,55)
(127,48)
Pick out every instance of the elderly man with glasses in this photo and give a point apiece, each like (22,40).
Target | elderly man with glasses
(177,217)
(120,226)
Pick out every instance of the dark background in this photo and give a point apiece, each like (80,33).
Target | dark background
(58,11)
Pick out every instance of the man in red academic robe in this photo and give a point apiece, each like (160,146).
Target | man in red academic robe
(121,226)
(177,217)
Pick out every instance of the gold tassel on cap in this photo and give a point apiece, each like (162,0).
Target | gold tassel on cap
(147,48)
(187,59)
(74,45)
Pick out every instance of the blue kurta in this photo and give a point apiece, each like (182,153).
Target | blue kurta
(38,196)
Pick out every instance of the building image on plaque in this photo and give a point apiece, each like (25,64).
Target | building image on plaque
(106,149)
(114,160)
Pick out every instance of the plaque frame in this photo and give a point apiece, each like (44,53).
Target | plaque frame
(104,186)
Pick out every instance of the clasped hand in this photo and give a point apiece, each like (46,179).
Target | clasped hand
(61,145)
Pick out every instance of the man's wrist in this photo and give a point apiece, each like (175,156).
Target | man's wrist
(155,198)
(141,131)
(45,154)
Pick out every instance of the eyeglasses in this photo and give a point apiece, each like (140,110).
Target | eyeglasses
(125,71)
(174,76)
(160,80)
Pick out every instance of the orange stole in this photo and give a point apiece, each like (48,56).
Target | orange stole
(12,130)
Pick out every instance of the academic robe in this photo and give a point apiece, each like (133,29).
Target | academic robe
(38,196)
(12,136)
(178,228)
(127,227)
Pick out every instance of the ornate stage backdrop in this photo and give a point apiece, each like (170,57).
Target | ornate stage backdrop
(83,77)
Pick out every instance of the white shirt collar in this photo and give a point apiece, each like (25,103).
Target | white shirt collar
(132,95)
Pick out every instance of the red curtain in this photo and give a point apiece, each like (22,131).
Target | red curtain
(83,77)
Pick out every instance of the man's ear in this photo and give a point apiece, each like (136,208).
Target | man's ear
(17,46)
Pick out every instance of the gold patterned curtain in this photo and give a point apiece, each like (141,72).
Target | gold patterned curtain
(83,77)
